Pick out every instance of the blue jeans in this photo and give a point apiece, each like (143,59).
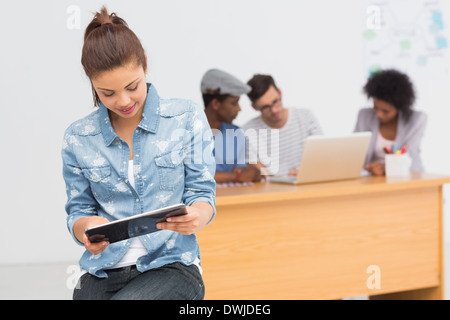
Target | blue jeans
(174,281)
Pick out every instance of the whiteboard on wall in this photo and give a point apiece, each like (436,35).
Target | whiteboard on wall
(407,35)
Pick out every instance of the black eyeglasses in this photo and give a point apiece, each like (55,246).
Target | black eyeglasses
(269,106)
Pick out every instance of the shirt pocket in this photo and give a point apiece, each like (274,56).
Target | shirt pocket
(170,170)
(99,181)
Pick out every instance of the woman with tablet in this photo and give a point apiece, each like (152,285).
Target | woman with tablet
(392,121)
(136,153)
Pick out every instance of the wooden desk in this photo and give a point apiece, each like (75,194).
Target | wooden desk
(326,241)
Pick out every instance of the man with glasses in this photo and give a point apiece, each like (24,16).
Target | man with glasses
(292,126)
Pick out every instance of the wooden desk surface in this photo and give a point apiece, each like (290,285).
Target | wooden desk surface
(316,241)
(270,191)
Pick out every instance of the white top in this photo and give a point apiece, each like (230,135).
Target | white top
(379,144)
(136,248)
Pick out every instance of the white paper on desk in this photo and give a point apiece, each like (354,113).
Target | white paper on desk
(233,184)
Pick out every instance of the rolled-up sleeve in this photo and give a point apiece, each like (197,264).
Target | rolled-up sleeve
(199,163)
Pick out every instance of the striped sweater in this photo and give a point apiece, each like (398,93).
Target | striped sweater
(280,150)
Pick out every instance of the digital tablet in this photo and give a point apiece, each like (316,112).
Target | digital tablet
(134,226)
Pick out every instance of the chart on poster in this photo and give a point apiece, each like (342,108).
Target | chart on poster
(410,35)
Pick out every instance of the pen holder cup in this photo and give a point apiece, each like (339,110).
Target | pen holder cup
(397,165)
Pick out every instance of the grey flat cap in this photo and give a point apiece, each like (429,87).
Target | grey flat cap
(216,81)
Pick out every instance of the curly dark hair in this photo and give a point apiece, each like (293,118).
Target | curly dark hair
(208,97)
(392,87)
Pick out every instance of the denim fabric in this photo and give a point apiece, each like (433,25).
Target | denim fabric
(171,282)
(230,144)
(173,163)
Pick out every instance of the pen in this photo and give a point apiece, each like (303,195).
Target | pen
(386,150)
(403,149)
(393,149)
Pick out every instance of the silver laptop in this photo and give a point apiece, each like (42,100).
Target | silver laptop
(330,158)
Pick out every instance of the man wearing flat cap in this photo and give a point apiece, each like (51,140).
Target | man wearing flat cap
(221,93)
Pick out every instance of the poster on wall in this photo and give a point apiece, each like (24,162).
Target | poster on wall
(407,35)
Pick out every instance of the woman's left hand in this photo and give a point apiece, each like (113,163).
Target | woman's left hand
(197,217)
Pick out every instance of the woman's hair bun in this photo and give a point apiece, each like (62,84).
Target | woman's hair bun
(103,17)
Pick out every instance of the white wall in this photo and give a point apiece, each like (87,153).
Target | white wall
(314,49)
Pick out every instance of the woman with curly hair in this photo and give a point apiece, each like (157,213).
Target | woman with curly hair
(392,121)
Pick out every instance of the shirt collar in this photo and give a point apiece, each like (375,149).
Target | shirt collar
(150,116)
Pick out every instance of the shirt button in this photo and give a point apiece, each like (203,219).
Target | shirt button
(137,200)
(137,155)
(138,176)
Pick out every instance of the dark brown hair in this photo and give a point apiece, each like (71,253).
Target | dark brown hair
(109,44)
(260,83)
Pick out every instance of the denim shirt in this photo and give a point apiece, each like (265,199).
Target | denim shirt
(173,163)
(229,150)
